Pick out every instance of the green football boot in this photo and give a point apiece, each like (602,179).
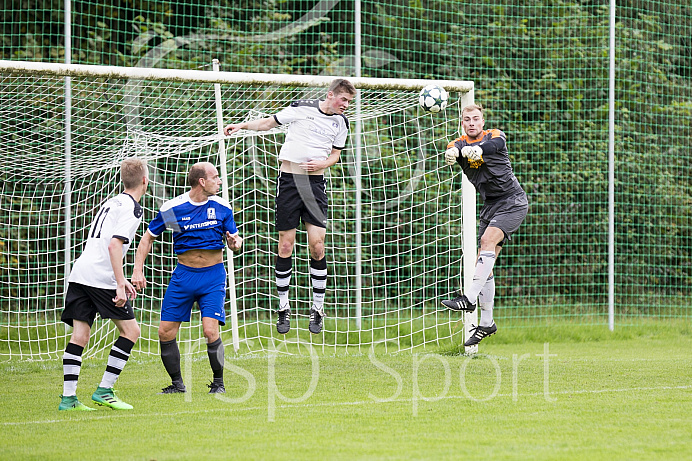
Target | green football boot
(106,397)
(71,403)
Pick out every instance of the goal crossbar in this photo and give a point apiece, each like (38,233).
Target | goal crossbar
(202,76)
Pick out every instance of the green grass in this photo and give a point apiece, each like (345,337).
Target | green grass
(620,395)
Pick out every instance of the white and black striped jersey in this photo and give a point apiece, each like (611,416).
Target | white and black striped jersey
(312,134)
(119,217)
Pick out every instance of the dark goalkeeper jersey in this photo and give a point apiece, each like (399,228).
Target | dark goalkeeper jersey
(492,175)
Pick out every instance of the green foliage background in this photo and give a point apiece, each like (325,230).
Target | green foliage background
(541,69)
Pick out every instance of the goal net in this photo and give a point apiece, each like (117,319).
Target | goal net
(396,240)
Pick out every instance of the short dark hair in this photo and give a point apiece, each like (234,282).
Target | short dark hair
(197,172)
(341,85)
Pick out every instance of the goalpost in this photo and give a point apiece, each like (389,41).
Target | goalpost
(399,231)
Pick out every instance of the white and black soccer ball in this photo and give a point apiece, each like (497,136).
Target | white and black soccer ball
(433,98)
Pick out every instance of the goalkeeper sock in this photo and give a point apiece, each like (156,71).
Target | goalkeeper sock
(484,266)
(318,274)
(170,356)
(486,301)
(283,270)
(117,359)
(71,366)
(216,358)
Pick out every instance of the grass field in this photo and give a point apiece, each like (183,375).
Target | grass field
(560,393)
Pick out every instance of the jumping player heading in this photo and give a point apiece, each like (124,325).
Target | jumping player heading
(316,135)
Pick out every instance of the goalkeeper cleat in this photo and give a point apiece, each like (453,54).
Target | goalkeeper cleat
(283,325)
(316,317)
(174,388)
(460,303)
(479,333)
(107,398)
(71,403)
(216,388)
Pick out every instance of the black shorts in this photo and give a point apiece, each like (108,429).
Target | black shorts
(300,197)
(506,214)
(82,302)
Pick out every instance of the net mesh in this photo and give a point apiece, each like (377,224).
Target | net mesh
(409,242)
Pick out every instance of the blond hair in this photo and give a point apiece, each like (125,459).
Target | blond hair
(132,171)
(471,107)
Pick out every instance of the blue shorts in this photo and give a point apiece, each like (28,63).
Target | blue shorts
(206,285)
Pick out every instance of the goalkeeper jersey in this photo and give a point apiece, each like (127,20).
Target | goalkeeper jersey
(195,226)
(311,134)
(492,175)
(118,217)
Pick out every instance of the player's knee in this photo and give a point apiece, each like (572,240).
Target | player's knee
(285,249)
(489,242)
(132,333)
(166,335)
(211,334)
(317,252)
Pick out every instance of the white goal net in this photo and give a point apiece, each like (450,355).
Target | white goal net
(395,243)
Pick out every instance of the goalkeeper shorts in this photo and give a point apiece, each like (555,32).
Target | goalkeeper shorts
(506,213)
(82,302)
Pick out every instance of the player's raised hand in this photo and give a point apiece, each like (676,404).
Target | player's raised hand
(472,152)
(451,155)
(232,128)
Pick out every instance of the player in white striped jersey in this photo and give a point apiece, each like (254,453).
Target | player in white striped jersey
(316,135)
(97,283)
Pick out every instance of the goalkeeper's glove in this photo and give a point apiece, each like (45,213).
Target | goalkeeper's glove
(451,155)
(472,152)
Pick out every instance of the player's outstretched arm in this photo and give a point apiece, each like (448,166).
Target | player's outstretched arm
(262,124)
(138,280)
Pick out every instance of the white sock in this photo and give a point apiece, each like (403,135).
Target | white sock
(484,266)
(486,301)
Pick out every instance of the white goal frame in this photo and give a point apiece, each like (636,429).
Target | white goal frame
(463,88)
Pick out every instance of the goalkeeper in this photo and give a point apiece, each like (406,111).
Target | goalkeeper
(316,134)
(483,157)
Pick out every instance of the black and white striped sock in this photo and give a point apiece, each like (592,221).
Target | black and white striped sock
(283,271)
(318,274)
(71,366)
(117,359)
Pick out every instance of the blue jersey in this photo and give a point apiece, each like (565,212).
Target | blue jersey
(195,226)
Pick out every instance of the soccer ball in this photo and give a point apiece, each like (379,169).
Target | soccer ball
(433,98)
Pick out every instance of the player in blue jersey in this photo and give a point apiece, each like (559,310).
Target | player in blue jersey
(202,225)
(484,159)
(97,283)
(316,135)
